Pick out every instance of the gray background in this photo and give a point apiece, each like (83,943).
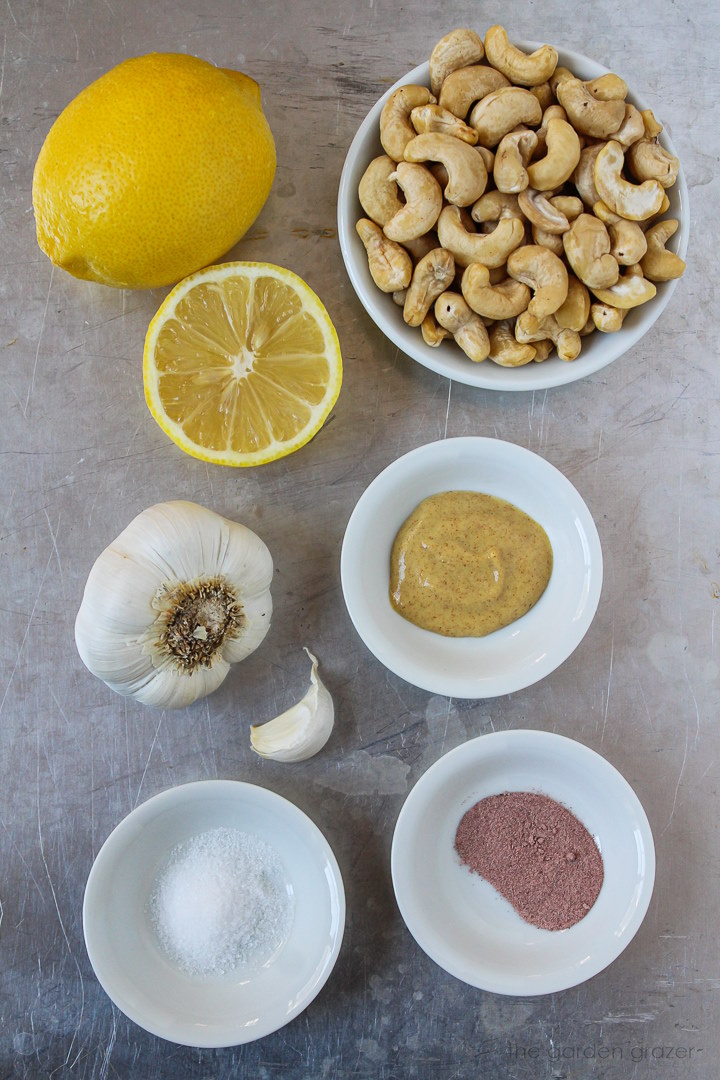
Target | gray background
(81,456)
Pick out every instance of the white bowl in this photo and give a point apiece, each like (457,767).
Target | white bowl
(145,984)
(598,349)
(468,928)
(523,652)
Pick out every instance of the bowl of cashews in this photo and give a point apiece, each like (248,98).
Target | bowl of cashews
(510,215)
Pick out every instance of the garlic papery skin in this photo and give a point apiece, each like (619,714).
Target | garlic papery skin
(301,731)
(178,597)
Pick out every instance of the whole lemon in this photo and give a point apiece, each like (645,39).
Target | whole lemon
(153,171)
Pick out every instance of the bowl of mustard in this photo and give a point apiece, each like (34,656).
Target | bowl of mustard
(471,567)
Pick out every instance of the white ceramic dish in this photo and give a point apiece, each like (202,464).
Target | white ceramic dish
(123,948)
(598,350)
(523,652)
(462,923)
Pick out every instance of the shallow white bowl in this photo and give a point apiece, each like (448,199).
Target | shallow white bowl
(598,349)
(523,652)
(468,928)
(144,983)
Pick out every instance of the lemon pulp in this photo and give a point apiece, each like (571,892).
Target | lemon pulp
(242,364)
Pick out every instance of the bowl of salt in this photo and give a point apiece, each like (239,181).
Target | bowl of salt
(214,913)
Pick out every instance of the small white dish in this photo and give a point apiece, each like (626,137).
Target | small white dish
(523,652)
(598,350)
(211,1011)
(468,928)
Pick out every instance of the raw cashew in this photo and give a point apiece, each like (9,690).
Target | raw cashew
(423,203)
(633,201)
(456,50)
(631,129)
(607,87)
(432,276)
(664,207)
(440,173)
(575,311)
(462,88)
(377,192)
(513,154)
(494,205)
(553,112)
(628,242)
(390,265)
(419,246)
(648,160)
(544,94)
(488,158)
(529,329)
(659,264)
(606,215)
(587,246)
(546,275)
(587,114)
(503,110)
(505,349)
(563,154)
(467,176)
(502,301)
(548,240)
(542,349)
(430,118)
(540,211)
(491,250)
(395,127)
(433,334)
(559,75)
(399,297)
(521,68)
(606,318)
(629,291)
(466,327)
(653,127)
(569,205)
(609,217)
(584,175)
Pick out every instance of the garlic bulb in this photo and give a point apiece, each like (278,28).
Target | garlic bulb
(177,598)
(302,730)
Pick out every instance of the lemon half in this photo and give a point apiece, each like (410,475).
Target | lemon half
(242,364)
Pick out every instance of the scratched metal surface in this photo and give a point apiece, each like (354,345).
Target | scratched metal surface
(81,456)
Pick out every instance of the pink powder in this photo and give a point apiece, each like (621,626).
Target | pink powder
(536,854)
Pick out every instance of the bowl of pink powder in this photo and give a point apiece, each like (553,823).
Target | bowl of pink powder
(523,863)
(214,913)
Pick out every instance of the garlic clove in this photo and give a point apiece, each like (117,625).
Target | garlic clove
(301,731)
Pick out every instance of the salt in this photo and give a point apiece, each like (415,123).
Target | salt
(221,902)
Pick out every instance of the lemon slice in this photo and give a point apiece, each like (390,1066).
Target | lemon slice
(242,364)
